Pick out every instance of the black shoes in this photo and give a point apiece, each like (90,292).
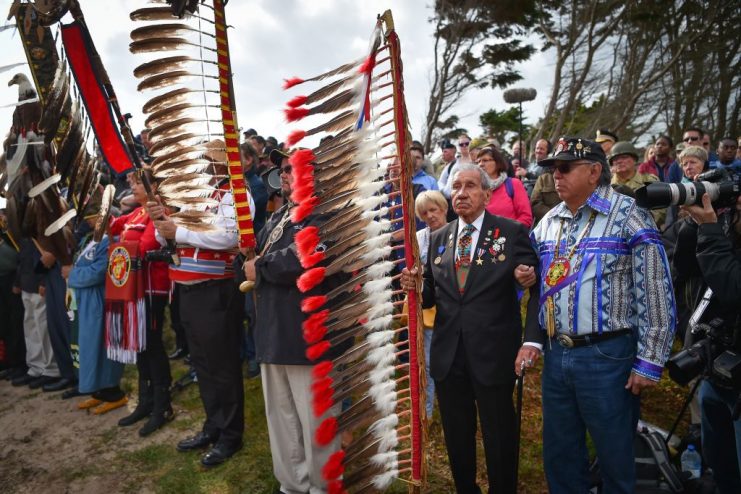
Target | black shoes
(59,385)
(219,454)
(178,354)
(143,407)
(71,393)
(42,381)
(22,380)
(13,372)
(161,411)
(199,441)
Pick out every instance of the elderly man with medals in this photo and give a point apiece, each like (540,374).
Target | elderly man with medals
(608,310)
(469,277)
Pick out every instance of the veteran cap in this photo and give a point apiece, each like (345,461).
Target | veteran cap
(605,135)
(575,148)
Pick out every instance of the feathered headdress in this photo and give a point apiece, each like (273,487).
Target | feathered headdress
(352,180)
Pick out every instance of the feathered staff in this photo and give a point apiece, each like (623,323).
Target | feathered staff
(182,117)
(351,181)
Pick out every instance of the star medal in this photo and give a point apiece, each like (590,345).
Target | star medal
(479,253)
(557,271)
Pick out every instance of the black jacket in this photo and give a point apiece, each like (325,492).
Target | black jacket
(486,317)
(279,335)
(30,270)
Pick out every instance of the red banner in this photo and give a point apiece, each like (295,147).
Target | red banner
(78,45)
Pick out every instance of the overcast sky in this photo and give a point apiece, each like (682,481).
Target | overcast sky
(275,39)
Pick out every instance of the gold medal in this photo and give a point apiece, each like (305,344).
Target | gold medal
(557,271)
(501,257)
(438,260)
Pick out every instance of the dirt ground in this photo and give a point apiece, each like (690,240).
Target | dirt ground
(48,445)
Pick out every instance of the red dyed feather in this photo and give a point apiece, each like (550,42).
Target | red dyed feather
(334,468)
(306,240)
(368,65)
(311,260)
(302,157)
(310,304)
(336,487)
(297,101)
(294,137)
(293,81)
(294,114)
(303,210)
(314,328)
(322,370)
(322,385)
(316,351)
(322,403)
(326,431)
(310,278)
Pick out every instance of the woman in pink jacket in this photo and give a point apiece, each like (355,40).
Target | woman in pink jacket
(508,196)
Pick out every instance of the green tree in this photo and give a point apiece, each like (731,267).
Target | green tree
(504,125)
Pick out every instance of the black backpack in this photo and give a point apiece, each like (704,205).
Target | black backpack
(655,473)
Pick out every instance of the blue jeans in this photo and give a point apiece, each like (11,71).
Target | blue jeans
(584,390)
(721,436)
(430,382)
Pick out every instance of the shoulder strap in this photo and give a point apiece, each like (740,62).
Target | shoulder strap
(510,188)
(661,455)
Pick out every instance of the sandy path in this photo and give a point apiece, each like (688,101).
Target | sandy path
(48,445)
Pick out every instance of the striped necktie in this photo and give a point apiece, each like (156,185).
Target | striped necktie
(463,263)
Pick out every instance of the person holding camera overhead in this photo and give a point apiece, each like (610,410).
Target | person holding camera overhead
(151,363)
(708,254)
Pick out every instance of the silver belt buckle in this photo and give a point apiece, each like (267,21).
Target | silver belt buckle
(565,341)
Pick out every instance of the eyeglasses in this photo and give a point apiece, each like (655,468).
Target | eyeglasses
(691,139)
(286,169)
(566,168)
(484,160)
(464,144)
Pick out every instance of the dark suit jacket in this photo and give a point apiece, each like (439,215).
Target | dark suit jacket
(486,317)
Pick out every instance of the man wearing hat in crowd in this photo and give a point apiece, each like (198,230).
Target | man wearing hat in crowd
(623,159)
(449,167)
(607,306)
(606,139)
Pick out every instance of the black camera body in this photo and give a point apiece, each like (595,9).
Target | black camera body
(721,185)
(713,355)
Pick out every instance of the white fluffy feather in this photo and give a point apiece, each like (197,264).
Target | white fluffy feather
(380,374)
(372,202)
(380,323)
(380,310)
(378,338)
(374,242)
(377,286)
(378,253)
(384,480)
(382,426)
(377,227)
(385,460)
(382,355)
(379,270)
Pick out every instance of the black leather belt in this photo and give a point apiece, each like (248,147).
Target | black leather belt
(568,341)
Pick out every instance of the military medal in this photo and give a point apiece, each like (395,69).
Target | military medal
(479,253)
(438,260)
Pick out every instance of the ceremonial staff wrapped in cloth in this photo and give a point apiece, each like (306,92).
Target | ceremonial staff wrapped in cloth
(343,180)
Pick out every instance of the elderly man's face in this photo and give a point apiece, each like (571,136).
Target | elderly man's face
(575,180)
(607,146)
(541,150)
(448,154)
(468,195)
(623,164)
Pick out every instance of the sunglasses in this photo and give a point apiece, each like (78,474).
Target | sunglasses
(286,169)
(464,144)
(566,168)
(691,139)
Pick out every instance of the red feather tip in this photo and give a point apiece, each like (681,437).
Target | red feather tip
(322,369)
(311,260)
(334,468)
(293,81)
(326,431)
(310,278)
(294,137)
(297,101)
(336,487)
(314,328)
(310,304)
(302,157)
(303,192)
(317,350)
(368,65)
(322,402)
(322,386)
(294,114)
(303,210)
(307,239)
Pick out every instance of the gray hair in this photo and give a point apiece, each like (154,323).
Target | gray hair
(470,167)
(427,197)
(693,152)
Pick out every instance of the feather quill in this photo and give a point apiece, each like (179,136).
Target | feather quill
(165,31)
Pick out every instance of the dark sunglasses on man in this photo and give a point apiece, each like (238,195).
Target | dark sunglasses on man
(566,167)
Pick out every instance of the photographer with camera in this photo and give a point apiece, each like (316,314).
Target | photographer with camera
(707,265)
(718,257)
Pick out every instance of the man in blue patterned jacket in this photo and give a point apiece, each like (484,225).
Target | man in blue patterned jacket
(608,310)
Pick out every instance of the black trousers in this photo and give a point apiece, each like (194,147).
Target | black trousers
(177,326)
(459,396)
(60,327)
(208,311)
(153,364)
(11,329)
